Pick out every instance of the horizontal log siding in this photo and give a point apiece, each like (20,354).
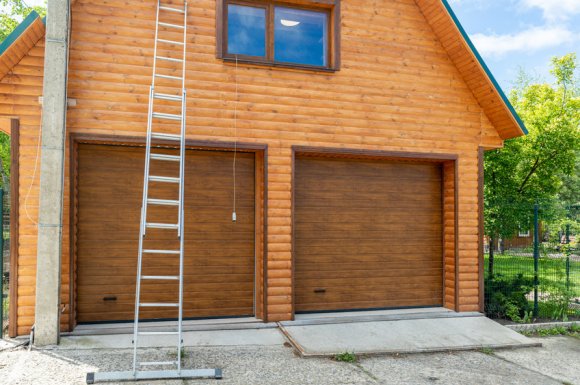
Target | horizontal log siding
(397,90)
(19,93)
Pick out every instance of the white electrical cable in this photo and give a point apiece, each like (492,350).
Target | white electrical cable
(234,215)
(34,172)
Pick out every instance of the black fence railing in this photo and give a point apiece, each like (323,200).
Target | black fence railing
(531,277)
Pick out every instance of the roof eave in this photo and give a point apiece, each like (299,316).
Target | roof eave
(25,35)
(517,120)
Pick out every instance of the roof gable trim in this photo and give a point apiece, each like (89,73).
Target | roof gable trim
(484,66)
(18,31)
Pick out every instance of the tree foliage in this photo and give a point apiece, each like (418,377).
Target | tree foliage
(13,12)
(534,168)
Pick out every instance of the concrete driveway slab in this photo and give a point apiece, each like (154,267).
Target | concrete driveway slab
(559,358)
(248,337)
(403,336)
(451,368)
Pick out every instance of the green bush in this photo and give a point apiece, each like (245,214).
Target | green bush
(505,297)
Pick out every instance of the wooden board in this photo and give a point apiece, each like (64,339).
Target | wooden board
(219,254)
(368,234)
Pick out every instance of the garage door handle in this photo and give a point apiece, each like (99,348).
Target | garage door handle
(320,291)
(110,298)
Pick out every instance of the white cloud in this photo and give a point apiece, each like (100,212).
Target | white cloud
(554,9)
(530,40)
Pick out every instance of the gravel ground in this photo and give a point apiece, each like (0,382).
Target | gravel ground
(556,363)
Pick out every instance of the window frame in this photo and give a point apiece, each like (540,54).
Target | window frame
(524,233)
(330,7)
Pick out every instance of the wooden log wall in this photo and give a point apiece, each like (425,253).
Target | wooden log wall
(20,90)
(397,90)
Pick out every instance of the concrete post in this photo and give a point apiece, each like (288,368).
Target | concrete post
(47,313)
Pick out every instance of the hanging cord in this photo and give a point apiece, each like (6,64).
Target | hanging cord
(234,216)
(35,169)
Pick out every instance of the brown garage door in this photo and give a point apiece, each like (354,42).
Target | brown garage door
(368,234)
(219,255)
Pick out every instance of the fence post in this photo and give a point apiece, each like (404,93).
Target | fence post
(491,256)
(536,257)
(568,272)
(2,264)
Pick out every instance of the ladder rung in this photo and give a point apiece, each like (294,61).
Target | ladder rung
(170,41)
(162,115)
(163,202)
(171,158)
(169,25)
(157,333)
(175,98)
(170,59)
(158,304)
(158,251)
(157,135)
(158,363)
(161,277)
(170,9)
(169,77)
(165,179)
(168,226)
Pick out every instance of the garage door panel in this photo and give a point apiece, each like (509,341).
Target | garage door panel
(219,255)
(393,293)
(360,222)
(355,264)
(364,168)
(359,305)
(364,244)
(356,249)
(368,234)
(385,188)
(357,259)
(360,216)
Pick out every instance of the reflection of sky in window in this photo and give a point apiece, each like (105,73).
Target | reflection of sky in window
(300,36)
(246,30)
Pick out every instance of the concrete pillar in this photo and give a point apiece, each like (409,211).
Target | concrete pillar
(47,313)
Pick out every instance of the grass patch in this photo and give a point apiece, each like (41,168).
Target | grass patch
(488,351)
(573,331)
(346,357)
(551,272)
(184,353)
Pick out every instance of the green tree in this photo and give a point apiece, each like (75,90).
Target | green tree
(13,12)
(533,168)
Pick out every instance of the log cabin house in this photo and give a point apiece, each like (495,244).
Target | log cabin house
(357,129)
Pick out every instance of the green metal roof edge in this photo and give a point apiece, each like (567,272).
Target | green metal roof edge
(485,67)
(18,31)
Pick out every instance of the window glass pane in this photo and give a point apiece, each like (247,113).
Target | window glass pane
(246,30)
(300,36)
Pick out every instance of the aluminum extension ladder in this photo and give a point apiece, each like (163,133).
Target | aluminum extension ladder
(173,97)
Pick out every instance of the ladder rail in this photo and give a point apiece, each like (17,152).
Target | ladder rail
(181,191)
(155,46)
(142,228)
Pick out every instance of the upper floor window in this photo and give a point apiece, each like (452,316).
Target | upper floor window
(279,34)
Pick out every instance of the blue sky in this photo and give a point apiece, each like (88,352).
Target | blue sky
(510,34)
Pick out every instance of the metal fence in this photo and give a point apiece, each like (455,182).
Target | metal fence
(533,275)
